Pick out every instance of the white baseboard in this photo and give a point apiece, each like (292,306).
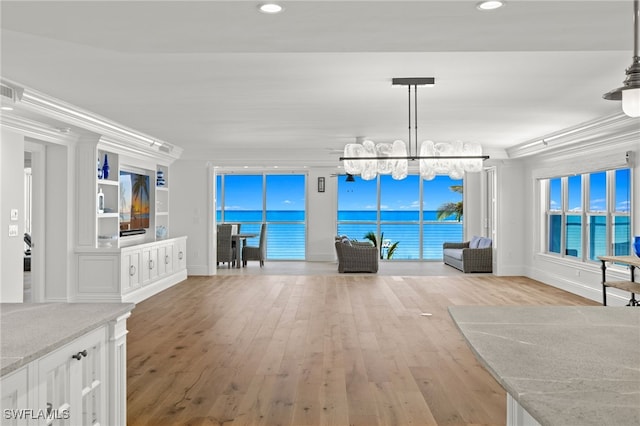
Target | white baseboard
(581,289)
(198,270)
(156,287)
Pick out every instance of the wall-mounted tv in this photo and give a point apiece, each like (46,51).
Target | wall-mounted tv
(134,203)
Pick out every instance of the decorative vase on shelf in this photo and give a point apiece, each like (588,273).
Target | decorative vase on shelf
(105,168)
(99,170)
(636,245)
(100,201)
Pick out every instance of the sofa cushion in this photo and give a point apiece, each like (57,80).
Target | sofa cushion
(346,240)
(484,243)
(474,242)
(453,253)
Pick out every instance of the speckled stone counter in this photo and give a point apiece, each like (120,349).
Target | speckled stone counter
(564,365)
(31,330)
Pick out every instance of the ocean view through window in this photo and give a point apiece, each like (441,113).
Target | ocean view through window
(275,199)
(418,215)
(594,209)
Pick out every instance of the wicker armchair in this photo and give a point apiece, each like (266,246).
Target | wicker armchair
(356,256)
(258,253)
(224,248)
(470,256)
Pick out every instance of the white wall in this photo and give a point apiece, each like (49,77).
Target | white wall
(11,187)
(59,223)
(473,206)
(190,201)
(322,208)
(511,226)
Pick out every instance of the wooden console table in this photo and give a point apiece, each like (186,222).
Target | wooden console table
(631,286)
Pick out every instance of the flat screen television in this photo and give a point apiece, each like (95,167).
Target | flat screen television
(134,203)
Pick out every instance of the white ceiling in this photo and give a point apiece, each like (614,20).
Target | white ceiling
(232,85)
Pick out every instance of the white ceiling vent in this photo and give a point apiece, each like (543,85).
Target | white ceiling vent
(9,96)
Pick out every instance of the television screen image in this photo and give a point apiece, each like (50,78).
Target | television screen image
(134,201)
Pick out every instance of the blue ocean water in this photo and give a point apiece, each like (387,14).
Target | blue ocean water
(597,236)
(286,234)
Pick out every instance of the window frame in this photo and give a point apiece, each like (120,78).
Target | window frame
(420,223)
(221,199)
(586,213)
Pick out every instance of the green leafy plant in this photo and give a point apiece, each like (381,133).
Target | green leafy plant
(451,209)
(371,236)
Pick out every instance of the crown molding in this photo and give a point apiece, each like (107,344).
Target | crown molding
(36,129)
(116,135)
(613,129)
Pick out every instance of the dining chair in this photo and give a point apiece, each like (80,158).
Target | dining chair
(223,245)
(258,253)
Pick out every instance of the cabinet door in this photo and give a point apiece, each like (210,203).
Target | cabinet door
(180,255)
(72,388)
(149,264)
(166,259)
(130,273)
(14,388)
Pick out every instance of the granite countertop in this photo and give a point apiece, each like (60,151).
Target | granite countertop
(31,330)
(573,365)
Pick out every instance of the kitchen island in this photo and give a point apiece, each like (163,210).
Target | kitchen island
(64,361)
(573,365)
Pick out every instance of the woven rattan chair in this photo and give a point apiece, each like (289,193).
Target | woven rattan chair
(356,256)
(224,247)
(258,253)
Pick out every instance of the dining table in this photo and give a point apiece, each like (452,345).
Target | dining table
(240,240)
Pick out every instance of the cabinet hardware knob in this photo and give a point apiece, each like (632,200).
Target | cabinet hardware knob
(151,264)
(180,255)
(83,353)
(166,259)
(132,270)
(77,356)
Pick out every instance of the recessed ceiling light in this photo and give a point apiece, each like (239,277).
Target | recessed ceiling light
(6,108)
(490,5)
(270,8)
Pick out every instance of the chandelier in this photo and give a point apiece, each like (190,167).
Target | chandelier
(629,93)
(369,159)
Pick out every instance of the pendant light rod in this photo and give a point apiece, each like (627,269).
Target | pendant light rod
(409,120)
(636,21)
(413,136)
(415,114)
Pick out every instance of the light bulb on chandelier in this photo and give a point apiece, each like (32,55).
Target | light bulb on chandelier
(369,159)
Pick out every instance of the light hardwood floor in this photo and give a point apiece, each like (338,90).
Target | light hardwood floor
(317,350)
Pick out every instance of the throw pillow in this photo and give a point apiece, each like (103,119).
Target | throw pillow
(484,243)
(474,242)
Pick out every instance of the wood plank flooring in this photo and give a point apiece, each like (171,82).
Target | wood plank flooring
(317,350)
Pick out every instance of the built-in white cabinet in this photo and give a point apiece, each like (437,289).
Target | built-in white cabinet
(111,265)
(130,274)
(80,382)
